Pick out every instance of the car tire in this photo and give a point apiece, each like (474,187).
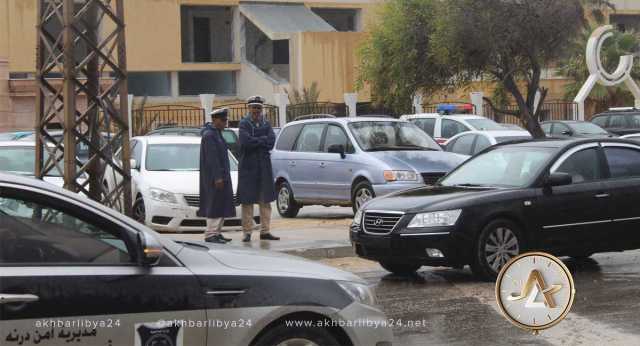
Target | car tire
(285,202)
(401,268)
(285,335)
(497,243)
(139,210)
(362,193)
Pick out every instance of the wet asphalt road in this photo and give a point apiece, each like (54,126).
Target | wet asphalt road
(460,310)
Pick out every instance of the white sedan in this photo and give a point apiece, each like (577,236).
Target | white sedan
(165,183)
(472,142)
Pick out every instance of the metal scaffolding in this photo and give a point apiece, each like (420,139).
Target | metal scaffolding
(83,41)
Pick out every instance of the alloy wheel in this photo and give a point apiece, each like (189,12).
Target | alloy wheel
(283,199)
(363,196)
(501,246)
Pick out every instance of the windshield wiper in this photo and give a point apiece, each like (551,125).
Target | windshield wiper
(470,185)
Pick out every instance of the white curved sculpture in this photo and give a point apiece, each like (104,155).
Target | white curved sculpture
(598,74)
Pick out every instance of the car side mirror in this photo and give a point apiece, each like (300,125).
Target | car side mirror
(134,164)
(558,179)
(337,149)
(149,250)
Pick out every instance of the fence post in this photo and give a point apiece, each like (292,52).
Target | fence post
(129,114)
(206,101)
(477,99)
(351,100)
(282,100)
(417,104)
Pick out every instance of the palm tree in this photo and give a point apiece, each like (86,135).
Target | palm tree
(574,66)
(597,9)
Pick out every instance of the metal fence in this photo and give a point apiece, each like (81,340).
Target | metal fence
(371,108)
(554,110)
(298,110)
(152,117)
(238,110)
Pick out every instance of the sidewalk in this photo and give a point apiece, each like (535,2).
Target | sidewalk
(310,238)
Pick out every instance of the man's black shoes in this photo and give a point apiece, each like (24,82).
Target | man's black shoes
(247,238)
(218,239)
(225,238)
(268,236)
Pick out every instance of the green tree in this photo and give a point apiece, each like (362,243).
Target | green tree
(597,9)
(510,42)
(574,66)
(426,45)
(397,59)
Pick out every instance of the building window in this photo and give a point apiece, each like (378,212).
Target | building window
(281,52)
(207,33)
(340,19)
(625,22)
(207,82)
(149,83)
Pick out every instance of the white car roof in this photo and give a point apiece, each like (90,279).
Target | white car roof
(17,144)
(505,133)
(437,115)
(169,139)
(21,143)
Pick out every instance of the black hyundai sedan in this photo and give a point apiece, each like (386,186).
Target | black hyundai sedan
(569,198)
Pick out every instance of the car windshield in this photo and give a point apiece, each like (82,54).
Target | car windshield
(501,167)
(486,125)
(391,135)
(177,157)
(511,138)
(588,129)
(21,160)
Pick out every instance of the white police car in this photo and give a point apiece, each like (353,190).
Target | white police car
(74,271)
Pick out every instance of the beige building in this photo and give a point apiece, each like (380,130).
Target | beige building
(178,49)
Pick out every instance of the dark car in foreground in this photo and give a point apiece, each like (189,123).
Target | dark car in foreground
(569,198)
(72,270)
(574,129)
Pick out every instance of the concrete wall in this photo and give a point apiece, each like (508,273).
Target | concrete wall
(252,81)
(328,58)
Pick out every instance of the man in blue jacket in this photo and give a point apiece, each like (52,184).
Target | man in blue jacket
(216,191)
(255,177)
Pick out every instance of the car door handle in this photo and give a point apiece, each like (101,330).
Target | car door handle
(602,195)
(292,163)
(321,164)
(17,298)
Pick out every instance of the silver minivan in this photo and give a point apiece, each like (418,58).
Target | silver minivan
(349,161)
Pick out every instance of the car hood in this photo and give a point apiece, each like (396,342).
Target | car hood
(420,161)
(430,198)
(183,182)
(247,259)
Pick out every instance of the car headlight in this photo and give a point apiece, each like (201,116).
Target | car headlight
(400,176)
(359,292)
(357,219)
(434,219)
(162,196)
